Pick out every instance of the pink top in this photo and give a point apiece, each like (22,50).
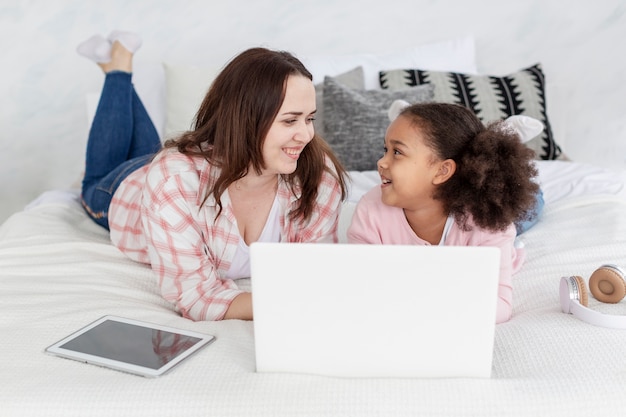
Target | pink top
(156,218)
(376,223)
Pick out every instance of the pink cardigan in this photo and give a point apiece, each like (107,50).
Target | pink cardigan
(376,223)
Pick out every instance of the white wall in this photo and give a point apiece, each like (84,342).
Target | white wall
(43,81)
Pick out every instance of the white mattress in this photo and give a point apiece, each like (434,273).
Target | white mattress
(58,272)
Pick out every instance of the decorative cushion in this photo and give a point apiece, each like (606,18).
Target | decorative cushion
(356,120)
(490,97)
(351,79)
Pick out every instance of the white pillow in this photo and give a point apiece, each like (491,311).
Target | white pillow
(458,55)
(186,86)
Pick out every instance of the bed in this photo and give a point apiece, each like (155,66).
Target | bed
(59,272)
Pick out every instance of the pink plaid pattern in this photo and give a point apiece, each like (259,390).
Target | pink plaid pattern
(155,218)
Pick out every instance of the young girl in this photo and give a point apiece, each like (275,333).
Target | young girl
(251,169)
(446,179)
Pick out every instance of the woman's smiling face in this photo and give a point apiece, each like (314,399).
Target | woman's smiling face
(292,128)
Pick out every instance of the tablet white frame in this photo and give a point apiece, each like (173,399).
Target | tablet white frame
(58,350)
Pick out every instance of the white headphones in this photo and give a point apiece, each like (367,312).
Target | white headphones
(607,285)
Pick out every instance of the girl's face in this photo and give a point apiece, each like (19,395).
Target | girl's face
(292,128)
(409,170)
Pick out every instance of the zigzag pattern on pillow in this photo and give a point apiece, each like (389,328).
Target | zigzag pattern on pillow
(490,97)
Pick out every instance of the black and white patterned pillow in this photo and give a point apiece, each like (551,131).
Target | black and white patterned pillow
(356,120)
(490,97)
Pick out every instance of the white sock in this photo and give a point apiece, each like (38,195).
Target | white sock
(129,40)
(95,48)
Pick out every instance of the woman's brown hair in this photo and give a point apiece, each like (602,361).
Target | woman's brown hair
(235,116)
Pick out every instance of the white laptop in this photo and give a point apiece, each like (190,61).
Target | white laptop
(351,310)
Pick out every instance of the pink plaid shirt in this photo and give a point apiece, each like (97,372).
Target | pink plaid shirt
(156,218)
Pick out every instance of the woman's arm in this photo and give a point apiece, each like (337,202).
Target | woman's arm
(184,251)
(240,308)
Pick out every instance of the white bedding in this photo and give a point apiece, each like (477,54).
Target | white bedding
(58,272)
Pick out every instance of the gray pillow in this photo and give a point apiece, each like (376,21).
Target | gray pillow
(356,120)
(353,79)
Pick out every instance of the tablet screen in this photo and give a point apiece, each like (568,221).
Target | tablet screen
(133,346)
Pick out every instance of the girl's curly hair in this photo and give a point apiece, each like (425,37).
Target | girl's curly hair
(494,178)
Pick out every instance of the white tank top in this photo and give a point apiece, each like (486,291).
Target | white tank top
(240,267)
(446,230)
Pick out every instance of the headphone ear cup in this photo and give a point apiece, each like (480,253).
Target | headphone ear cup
(583,297)
(607,285)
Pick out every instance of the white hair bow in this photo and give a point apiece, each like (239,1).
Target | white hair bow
(527,127)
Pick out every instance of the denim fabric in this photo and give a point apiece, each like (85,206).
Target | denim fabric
(527,224)
(122,139)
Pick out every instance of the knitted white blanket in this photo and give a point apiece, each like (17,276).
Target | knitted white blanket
(58,272)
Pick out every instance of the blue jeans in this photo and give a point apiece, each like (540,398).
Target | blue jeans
(122,139)
(527,224)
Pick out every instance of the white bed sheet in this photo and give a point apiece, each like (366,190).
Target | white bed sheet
(58,272)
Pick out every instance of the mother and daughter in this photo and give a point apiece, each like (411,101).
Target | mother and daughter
(252,169)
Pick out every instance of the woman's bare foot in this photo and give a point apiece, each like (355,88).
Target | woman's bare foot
(121,59)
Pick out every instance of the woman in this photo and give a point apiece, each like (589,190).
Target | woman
(251,169)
